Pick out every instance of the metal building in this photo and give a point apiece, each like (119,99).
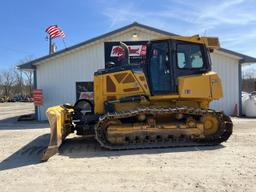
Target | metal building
(57,74)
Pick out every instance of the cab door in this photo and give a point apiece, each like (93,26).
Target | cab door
(159,68)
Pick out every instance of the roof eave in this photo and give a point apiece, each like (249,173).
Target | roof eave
(26,66)
(247,61)
(244,58)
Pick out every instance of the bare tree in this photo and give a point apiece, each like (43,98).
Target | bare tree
(27,76)
(14,82)
(8,80)
(26,60)
(18,87)
(29,81)
(1,87)
(249,79)
(249,74)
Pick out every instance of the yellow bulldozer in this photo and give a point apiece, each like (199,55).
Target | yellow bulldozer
(162,103)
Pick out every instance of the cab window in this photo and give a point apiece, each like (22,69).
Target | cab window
(189,56)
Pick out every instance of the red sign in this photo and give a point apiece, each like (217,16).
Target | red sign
(134,50)
(86,95)
(38,97)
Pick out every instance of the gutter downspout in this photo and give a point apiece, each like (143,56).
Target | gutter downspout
(240,81)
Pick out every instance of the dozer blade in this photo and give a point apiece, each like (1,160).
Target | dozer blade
(59,118)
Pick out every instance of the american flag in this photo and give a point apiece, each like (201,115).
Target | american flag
(54,31)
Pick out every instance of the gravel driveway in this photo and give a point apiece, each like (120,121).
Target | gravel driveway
(83,166)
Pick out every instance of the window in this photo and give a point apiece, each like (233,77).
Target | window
(160,67)
(189,56)
(84,90)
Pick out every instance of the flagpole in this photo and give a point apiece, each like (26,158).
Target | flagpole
(50,45)
(64,43)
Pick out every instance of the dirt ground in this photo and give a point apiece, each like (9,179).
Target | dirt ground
(83,166)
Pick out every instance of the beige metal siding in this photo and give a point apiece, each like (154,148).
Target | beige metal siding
(227,69)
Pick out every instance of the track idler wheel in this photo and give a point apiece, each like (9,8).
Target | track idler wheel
(211,124)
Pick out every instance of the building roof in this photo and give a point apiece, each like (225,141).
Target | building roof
(245,58)
(31,64)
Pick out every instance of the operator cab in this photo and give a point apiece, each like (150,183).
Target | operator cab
(169,59)
(166,60)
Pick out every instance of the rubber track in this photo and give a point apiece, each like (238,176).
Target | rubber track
(223,133)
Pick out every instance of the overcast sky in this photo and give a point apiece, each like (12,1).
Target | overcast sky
(23,22)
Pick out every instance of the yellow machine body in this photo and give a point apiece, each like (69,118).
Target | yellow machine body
(194,90)
(60,125)
(209,42)
(118,85)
